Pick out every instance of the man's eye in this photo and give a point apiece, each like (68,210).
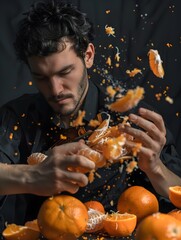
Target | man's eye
(65,73)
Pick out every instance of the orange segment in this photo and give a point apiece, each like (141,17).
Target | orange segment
(119,225)
(112,149)
(156,63)
(36,158)
(130,100)
(175,195)
(16,232)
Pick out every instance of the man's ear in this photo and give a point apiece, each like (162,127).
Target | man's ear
(89,55)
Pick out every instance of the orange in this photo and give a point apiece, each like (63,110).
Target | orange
(16,232)
(159,226)
(119,225)
(175,196)
(96,205)
(128,101)
(63,217)
(176,213)
(139,201)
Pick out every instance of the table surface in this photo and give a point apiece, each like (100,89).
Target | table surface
(100,236)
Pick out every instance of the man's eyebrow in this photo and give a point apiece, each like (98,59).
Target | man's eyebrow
(59,71)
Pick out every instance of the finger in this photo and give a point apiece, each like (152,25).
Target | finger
(75,160)
(154,117)
(138,135)
(69,147)
(77,178)
(68,187)
(149,127)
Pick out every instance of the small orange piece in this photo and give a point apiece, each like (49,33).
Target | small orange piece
(96,205)
(176,213)
(159,226)
(36,158)
(139,201)
(62,217)
(175,196)
(119,225)
(128,101)
(16,232)
(156,63)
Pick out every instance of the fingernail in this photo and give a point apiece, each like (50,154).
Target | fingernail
(142,111)
(132,117)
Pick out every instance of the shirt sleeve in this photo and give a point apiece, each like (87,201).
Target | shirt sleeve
(10,137)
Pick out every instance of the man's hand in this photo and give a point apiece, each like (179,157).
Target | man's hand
(151,134)
(52,176)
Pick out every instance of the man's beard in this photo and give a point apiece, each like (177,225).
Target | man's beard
(82,87)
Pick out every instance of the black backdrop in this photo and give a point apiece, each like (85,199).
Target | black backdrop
(139,25)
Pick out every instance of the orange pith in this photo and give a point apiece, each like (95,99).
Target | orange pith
(175,196)
(95,221)
(119,225)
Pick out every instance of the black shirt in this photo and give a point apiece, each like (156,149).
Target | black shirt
(28,125)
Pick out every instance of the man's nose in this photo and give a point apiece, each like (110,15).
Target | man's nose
(56,85)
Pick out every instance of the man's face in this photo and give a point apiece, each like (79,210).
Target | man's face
(62,78)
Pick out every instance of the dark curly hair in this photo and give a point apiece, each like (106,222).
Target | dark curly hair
(47,25)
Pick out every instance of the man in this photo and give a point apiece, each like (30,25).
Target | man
(55,41)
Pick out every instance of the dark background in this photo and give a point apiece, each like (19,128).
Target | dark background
(139,26)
